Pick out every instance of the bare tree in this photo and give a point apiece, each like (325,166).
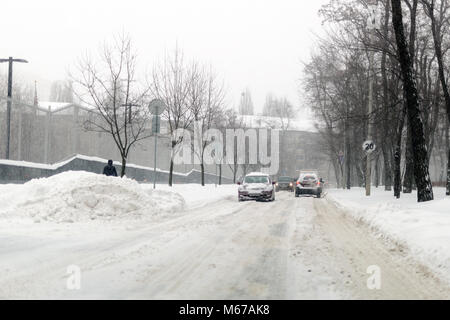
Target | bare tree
(246,103)
(279,108)
(437,25)
(336,87)
(233,121)
(119,103)
(420,153)
(61,91)
(387,164)
(220,122)
(206,100)
(171,82)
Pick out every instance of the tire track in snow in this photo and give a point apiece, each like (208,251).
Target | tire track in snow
(353,249)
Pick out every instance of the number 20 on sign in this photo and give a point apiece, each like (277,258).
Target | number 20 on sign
(368,146)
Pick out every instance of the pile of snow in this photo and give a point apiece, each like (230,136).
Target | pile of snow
(423,228)
(75,196)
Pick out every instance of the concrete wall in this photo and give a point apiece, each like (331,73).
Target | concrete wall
(14,173)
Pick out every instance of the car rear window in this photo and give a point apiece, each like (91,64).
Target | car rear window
(285,179)
(308,178)
(256,179)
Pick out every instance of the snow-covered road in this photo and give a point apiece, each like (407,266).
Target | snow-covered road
(293,248)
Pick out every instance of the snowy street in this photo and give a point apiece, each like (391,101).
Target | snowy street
(293,248)
(182,151)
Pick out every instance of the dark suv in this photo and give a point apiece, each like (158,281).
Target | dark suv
(309,183)
(285,183)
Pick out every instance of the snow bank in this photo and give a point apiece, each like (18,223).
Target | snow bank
(423,228)
(75,196)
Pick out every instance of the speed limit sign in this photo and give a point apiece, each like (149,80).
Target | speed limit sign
(368,146)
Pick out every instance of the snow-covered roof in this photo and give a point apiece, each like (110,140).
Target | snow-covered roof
(53,106)
(60,107)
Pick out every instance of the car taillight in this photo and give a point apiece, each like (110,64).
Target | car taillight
(298,182)
(318,183)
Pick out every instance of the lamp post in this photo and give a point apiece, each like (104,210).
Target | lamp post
(10,61)
(372,24)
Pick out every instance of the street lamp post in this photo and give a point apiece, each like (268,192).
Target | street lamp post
(10,61)
(372,24)
(369,126)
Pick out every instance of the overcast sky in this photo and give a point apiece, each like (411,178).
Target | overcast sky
(255,44)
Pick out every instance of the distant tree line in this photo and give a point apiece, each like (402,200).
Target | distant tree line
(62,91)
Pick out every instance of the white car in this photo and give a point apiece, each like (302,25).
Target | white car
(256,186)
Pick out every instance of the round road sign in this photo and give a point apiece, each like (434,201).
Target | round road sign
(157,107)
(368,146)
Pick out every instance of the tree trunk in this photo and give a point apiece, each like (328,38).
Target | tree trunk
(397,173)
(398,155)
(202,170)
(387,170)
(171,172)
(447,145)
(420,153)
(337,174)
(448,174)
(439,57)
(123,167)
(409,171)
(360,173)
(377,171)
(348,170)
(220,174)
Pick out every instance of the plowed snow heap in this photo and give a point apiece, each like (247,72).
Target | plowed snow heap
(82,196)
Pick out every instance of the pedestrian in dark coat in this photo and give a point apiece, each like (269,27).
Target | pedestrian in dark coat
(110,170)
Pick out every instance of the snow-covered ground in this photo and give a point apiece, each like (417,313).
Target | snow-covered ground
(81,218)
(193,242)
(423,229)
(196,195)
